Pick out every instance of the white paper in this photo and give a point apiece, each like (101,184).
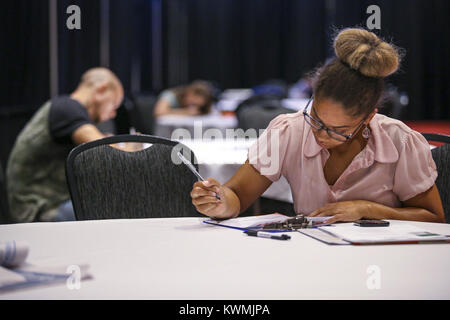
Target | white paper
(317,220)
(16,274)
(13,253)
(322,236)
(8,277)
(250,222)
(259,221)
(393,233)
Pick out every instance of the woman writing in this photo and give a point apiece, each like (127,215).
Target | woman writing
(342,159)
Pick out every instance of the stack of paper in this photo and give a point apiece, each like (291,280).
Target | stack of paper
(15,273)
(323,236)
(12,253)
(257,222)
(396,233)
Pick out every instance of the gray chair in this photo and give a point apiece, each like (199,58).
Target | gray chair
(441,156)
(4,206)
(437,137)
(141,112)
(108,183)
(257,111)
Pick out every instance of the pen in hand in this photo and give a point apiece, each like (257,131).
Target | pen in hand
(192,168)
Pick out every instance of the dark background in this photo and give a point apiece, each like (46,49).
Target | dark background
(236,43)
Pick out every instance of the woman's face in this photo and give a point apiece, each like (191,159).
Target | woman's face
(192,100)
(332,115)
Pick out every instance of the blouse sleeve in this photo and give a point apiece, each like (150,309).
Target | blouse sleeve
(268,153)
(416,171)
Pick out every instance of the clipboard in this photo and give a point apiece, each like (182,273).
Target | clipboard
(250,223)
(275,222)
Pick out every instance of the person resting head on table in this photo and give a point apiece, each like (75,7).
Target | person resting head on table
(36,181)
(342,159)
(191,100)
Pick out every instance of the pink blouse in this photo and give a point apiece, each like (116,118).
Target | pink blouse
(395,165)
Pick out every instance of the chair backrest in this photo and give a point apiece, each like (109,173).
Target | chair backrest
(441,156)
(108,183)
(141,112)
(437,137)
(4,207)
(257,111)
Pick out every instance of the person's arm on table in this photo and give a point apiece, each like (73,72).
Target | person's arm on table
(426,207)
(246,185)
(163,108)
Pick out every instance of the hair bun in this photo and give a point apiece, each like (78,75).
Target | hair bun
(364,51)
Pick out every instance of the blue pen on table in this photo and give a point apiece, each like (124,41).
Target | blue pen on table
(192,168)
(268,235)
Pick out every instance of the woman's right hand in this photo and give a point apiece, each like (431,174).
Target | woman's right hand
(203,196)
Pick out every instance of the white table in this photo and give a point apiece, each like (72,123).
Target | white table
(197,125)
(194,125)
(232,104)
(182,258)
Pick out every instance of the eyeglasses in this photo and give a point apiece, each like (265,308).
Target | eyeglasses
(318,125)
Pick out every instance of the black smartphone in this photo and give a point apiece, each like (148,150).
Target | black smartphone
(371,223)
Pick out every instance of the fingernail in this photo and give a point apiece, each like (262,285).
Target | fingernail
(212,194)
(206,183)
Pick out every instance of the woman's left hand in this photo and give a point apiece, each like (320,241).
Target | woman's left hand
(343,211)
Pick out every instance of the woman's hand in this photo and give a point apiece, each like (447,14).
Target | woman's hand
(343,211)
(203,196)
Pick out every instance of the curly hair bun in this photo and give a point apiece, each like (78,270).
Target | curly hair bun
(364,51)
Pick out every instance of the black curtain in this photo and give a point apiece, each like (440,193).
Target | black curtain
(24,67)
(130,43)
(235,43)
(243,43)
(78,50)
(24,51)
(421,28)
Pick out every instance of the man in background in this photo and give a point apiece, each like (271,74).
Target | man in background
(36,181)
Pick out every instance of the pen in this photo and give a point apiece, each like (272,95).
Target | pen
(268,235)
(192,168)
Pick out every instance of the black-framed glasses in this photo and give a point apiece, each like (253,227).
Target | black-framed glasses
(318,125)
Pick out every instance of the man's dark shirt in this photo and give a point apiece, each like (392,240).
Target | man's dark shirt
(66,116)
